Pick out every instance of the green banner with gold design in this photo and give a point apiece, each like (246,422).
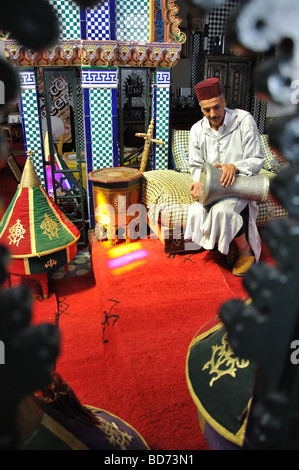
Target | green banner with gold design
(220,383)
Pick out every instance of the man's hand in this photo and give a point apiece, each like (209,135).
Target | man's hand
(229,172)
(196,190)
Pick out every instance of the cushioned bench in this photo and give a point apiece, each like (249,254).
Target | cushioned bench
(166,194)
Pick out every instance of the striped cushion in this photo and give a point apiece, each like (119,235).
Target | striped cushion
(180,150)
(166,194)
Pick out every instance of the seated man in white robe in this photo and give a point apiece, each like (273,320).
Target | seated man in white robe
(228,139)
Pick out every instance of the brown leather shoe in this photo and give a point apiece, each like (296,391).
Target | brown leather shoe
(242,265)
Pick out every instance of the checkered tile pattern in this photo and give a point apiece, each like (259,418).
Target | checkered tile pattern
(31,122)
(261,115)
(98,22)
(80,114)
(180,150)
(132,20)
(218,20)
(101,127)
(197,48)
(162,127)
(68,14)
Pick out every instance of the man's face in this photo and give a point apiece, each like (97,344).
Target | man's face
(214,111)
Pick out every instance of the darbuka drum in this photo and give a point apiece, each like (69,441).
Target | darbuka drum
(253,188)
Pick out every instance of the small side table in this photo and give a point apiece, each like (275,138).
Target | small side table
(114,190)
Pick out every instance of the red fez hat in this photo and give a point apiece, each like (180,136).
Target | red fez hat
(207,89)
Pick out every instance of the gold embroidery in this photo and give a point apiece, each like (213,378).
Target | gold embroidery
(114,435)
(51,263)
(222,362)
(50,227)
(17,232)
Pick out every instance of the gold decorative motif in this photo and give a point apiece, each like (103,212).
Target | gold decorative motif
(114,435)
(50,227)
(17,232)
(222,361)
(51,263)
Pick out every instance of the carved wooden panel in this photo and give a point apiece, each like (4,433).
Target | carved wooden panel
(235,75)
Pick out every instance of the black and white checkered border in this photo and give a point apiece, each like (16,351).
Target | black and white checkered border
(162,127)
(68,14)
(218,20)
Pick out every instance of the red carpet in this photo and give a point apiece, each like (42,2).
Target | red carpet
(125,337)
(125,334)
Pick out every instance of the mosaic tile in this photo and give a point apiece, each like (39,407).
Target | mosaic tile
(162,125)
(27,79)
(195,66)
(68,14)
(98,22)
(99,77)
(163,78)
(101,127)
(80,112)
(31,121)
